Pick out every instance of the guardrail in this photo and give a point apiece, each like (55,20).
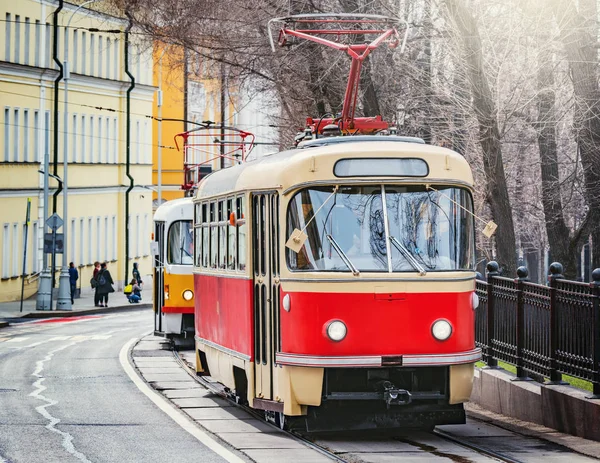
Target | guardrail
(544,331)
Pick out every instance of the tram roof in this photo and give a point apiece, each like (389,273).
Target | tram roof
(175,209)
(313,161)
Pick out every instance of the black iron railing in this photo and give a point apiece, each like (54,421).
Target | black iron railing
(544,331)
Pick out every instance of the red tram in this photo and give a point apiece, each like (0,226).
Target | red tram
(335,283)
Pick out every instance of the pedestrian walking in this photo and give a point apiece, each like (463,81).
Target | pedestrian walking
(73,277)
(136,274)
(105,283)
(94,283)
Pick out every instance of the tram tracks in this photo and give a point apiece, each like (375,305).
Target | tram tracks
(322,446)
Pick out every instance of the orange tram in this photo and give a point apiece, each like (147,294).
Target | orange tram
(335,283)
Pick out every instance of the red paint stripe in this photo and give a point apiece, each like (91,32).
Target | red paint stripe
(66,319)
(177,309)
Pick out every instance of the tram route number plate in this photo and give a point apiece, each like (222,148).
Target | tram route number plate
(296,240)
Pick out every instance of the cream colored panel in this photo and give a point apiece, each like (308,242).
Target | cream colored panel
(461,382)
(378,286)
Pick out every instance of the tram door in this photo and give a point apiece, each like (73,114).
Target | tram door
(265,231)
(159,275)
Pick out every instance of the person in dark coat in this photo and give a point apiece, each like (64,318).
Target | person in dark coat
(136,274)
(105,283)
(96,295)
(73,277)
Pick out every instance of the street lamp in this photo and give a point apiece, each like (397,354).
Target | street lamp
(64,285)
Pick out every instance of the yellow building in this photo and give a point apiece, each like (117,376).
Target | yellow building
(95,143)
(169,116)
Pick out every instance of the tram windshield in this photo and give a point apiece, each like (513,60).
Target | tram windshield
(426,230)
(180,243)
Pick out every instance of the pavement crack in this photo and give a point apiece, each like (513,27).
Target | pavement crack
(67,441)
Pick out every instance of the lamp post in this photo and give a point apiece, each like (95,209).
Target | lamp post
(64,286)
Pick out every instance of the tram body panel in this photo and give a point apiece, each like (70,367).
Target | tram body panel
(223,303)
(377,324)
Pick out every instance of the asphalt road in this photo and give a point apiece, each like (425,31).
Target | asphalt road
(65,396)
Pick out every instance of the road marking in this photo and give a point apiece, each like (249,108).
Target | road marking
(173,413)
(59,338)
(67,441)
(18,339)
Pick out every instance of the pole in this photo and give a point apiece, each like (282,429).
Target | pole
(222,148)
(27,215)
(159,101)
(63,301)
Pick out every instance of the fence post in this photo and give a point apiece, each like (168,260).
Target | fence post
(595,285)
(522,274)
(492,268)
(556,270)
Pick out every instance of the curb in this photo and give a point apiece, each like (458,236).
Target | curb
(76,313)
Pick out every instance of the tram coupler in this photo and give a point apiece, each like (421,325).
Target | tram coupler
(394,396)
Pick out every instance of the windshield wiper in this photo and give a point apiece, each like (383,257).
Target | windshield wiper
(343,255)
(408,256)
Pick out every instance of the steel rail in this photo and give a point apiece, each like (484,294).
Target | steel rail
(443,434)
(210,386)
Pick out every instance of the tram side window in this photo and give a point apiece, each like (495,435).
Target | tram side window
(222,235)
(241,232)
(214,233)
(231,237)
(205,235)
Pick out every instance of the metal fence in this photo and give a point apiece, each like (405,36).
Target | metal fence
(545,331)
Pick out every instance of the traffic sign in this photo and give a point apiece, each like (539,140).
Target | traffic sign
(53,243)
(54,222)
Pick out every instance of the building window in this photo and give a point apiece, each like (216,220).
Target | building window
(15,250)
(6,251)
(46,133)
(114,237)
(92,51)
(83,140)
(34,249)
(100,49)
(7,30)
(146,237)
(72,241)
(108,49)
(107,139)
(25,270)
(27,32)
(115,141)
(137,234)
(75,50)
(92,157)
(26,135)
(6,134)
(36,51)
(116,69)
(90,260)
(36,136)
(147,156)
(48,45)
(17,57)
(100,139)
(84,53)
(16,133)
(106,256)
(98,240)
(137,142)
(74,154)
(81,238)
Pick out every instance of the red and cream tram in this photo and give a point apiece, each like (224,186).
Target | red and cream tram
(335,283)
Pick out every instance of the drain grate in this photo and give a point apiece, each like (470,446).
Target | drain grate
(8,390)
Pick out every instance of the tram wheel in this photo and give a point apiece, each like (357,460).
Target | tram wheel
(280,420)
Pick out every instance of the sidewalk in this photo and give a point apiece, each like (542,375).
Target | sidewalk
(82,306)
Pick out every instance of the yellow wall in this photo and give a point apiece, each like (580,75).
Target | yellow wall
(95,145)
(168,75)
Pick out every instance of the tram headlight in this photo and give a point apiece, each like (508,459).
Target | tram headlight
(188,294)
(441,330)
(336,330)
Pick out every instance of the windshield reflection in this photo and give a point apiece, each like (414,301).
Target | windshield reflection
(432,232)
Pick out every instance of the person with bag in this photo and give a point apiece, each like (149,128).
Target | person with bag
(133,292)
(105,282)
(136,274)
(94,284)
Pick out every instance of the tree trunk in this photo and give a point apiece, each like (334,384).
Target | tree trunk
(578,33)
(561,246)
(468,36)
